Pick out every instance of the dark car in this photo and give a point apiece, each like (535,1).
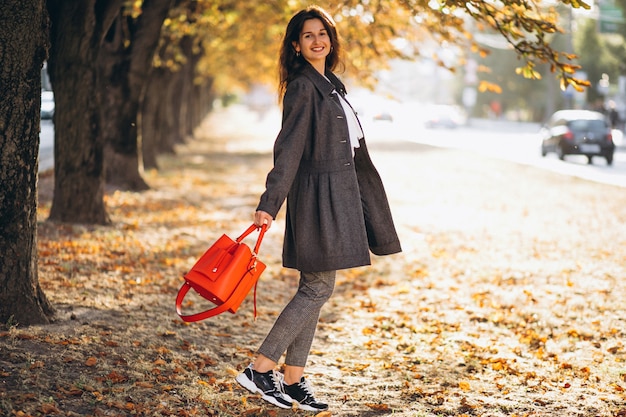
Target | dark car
(578,132)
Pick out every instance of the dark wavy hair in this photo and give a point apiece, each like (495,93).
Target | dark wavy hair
(291,64)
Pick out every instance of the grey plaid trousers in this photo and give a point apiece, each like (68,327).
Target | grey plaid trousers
(295,327)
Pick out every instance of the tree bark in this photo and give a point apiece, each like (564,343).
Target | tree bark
(76,36)
(125,63)
(23,28)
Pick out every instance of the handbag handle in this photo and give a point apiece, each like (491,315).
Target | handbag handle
(251,229)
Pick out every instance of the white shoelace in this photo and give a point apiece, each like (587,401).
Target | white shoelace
(306,388)
(277,379)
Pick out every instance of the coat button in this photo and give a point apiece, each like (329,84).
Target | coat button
(339,117)
(347,164)
(343,141)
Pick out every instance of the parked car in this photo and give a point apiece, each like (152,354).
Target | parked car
(578,132)
(444,116)
(383,116)
(47,104)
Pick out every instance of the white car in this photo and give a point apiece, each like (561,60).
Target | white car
(444,116)
(47,104)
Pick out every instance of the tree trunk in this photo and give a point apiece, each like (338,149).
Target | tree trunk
(186,79)
(206,97)
(151,116)
(23,39)
(194,106)
(126,62)
(173,110)
(165,126)
(202,101)
(77,32)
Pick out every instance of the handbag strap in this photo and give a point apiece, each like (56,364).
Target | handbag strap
(255,252)
(198,316)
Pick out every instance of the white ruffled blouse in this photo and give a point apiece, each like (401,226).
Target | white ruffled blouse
(354,128)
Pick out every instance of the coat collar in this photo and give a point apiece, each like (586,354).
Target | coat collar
(321,83)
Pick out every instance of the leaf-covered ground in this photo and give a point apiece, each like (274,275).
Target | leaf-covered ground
(508,300)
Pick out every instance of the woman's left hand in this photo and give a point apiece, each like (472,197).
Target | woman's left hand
(261,218)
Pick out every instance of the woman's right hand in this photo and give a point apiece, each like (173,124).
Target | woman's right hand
(261,218)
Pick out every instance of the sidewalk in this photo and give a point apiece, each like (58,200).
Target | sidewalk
(506,301)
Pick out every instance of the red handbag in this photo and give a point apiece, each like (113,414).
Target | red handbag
(224,275)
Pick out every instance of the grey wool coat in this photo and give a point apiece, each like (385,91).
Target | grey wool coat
(337,209)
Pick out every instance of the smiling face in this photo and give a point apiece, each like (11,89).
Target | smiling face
(314,43)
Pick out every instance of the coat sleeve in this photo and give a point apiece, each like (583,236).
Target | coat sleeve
(289,145)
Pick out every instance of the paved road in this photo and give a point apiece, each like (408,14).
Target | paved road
(518,142)
(46,146)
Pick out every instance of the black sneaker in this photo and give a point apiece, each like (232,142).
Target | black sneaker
(268,384)
(301,392)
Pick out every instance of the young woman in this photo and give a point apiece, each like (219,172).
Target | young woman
(337,209)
